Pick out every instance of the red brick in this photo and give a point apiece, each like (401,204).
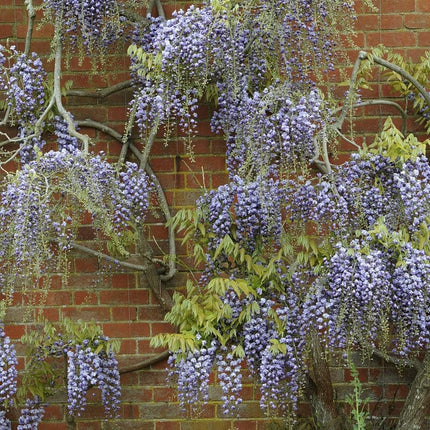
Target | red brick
(163,164)
(391,22)
(424,39)
(84,298)
(136,395)
(218,179)
(362,375)
(171,180)
(123,304)
(395,392)
(123,280)
(397,6)
(128,346)
(161,327)
(86,265)
(129,411)
(6,30)
(11,15)
(51,314)
(117,114)
(367,22)
(97,314)
(168,425)
(150,313)
(55,412)
(128,313)
(85,233)
(416,54)
(391,39)
(186,198)
(245,425)
(14,331)
(423,6)
(418,20)
(126,330)
(143,347)
(56,426)
(132,297)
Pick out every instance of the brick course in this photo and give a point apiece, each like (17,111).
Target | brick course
(124,305)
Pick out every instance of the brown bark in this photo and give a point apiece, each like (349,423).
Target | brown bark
(320,390)
(417,402)
(152,276)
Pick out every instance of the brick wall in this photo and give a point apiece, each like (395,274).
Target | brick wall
(122,302)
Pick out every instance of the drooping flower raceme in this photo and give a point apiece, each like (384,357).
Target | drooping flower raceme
(8,376)
(97,23)
(192,373)
(86,369)
(31,415)
(254,208)
(373,284)
(22,77)
(41,203)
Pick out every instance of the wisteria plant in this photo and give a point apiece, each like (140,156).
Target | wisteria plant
(297,266)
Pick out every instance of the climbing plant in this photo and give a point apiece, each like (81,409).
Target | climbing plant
(297,265)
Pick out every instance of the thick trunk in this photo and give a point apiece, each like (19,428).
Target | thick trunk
(320,390)
(417,402)
(152,277)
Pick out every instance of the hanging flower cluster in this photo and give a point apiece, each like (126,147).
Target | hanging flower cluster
(366,283)
(222,52)
(8,376)
(86,369)
(90,362)
(91,24)
(22,78)
(45,200)
(253,210)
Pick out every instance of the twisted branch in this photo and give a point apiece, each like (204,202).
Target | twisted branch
(101,92)
(353,82)
(144,363)
(160,9)
(57,96)
(31,17)
(158,188)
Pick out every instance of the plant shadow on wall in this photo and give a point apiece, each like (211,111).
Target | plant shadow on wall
(299,268)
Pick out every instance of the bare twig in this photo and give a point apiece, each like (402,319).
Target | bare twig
(148,146)
(325,156)
(387,103)
(71,423)
(57,95)
(107,257)
(160,9)
(152,277)
(416,364)
(31,17)
(351,142)
(413,413)
(100,126)
(319,388)
(353,81)
(150,7)
(402,73)
(158,188)
(351,92)
(101,92)
(373,103)
(11,157)
(145,363)
(5,119)
(166,211)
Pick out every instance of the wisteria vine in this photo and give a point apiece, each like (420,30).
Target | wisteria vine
(43,202)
